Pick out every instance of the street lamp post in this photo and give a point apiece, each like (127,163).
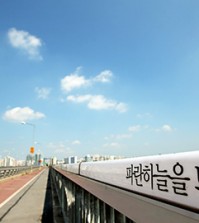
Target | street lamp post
(33,132)
(33,138)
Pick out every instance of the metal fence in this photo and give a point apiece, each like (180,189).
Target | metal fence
(11,171)
(80,206)
(83,200)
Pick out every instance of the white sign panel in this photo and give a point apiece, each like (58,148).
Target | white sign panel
(173,178)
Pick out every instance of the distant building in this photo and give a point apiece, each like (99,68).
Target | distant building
(59,162)
(38,159)
(9,161)
(50,161)
(20,162)
(97,157)
(47,161)
(29,160)
(54,161)
(88,158)
(1,162)
(70,160)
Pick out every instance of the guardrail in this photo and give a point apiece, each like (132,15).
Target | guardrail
(78,202)
(11,171)
(130,190)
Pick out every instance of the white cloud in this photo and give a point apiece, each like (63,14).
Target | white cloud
(98,102)
(167,128)
(119,136)
(43,92)
(26,42)
(112,144)
(104,76)
(59,149)
(95,102)
(80,98)
(129,135)
(144,116)
(76,142)
(135,128)
(75,80)
(121,107)
(72,81)
(123,136)
(19,114)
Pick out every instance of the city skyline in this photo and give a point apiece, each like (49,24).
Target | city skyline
(98,77)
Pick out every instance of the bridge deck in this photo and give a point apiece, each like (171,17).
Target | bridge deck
(28,204)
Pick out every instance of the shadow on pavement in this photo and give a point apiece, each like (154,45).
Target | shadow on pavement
(47,216)
(52,210)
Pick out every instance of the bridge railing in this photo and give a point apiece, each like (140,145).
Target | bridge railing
(81,200)
(11,171)
(96,192)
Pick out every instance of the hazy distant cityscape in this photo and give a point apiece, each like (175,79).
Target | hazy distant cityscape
(38,160)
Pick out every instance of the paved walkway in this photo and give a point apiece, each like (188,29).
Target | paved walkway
(26,204)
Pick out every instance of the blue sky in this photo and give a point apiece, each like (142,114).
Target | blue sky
(99,77)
